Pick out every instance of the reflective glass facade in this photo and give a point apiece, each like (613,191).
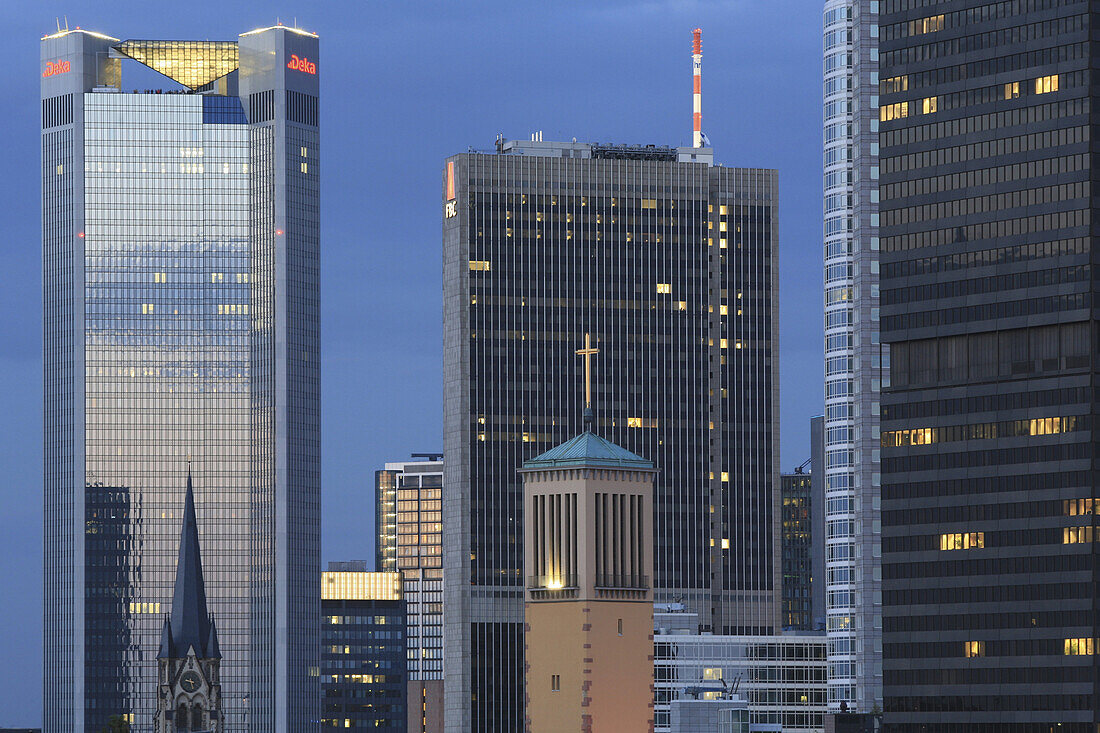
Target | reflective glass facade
(157,308)
(669,262)
(797,534)
(989,477)
(854,357)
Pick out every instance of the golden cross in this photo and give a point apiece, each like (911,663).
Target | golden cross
(587,352)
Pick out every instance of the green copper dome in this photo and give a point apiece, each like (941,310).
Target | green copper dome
(587,449)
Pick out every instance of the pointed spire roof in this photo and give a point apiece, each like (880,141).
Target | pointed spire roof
(588,450)
(190,624)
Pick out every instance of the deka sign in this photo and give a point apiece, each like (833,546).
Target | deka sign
(53,68)
(302,64)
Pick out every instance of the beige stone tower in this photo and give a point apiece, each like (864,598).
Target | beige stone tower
(588,561)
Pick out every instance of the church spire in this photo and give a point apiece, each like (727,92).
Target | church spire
(189,625)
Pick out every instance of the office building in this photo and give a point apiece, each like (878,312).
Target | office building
(362,649)
(410,540)
(988,477)
(782,677)
(797,541)
(854,357)
(817,522)
(588,603)
(669,261)
(180,286)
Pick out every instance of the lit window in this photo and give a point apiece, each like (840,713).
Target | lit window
(725,543)
(60,169)
(929,105)
(975,649)
(1080,647)
(723,310)
(895,111)
(962,541)
(479,265)
(146,308)
(305,167)
(649,203)
(712,673)
(665,288)
(217,277)
(305,151)
(1076,535)
(1078,507)
(682,305)
(920,26)
(723,209)
(725,477)
(1046,84)
(1012,90)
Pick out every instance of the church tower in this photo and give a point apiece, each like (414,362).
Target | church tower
(588,558)
(188,688)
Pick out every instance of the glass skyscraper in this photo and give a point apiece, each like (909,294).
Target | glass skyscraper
(854,358)
(669,262)
(180,256)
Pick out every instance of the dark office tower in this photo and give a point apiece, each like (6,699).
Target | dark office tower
(988,456)
(669,262)
(362,649)
(796,523)
(180,247)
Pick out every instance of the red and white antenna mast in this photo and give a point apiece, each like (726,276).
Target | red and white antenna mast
(697,68)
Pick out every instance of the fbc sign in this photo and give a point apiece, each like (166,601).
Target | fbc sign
(302,64)
(53,68)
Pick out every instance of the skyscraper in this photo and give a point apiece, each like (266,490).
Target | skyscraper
(853,355)
(410,516)
(797,541)
(180,255)
(988,451)
(670,262)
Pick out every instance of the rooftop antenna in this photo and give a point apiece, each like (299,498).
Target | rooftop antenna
(697,70)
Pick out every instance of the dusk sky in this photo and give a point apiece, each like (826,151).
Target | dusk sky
(403,85)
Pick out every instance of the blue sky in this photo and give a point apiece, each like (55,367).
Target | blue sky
(404,84)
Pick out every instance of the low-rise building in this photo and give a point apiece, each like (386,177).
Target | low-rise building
(362,649)
(782,677)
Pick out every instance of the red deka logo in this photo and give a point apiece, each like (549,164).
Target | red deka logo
(302,64)
(53,68)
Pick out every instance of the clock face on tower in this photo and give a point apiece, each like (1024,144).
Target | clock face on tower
(190,681)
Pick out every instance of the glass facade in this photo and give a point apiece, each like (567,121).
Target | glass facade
(670,263)
(410,515)
(988,297)
(854,357)
(797,533)
(362,649)
(783,678)
(160,292)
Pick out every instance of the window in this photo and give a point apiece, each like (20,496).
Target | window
(305,167)
(1080,647)
(894,111)
(479,265)
(920,26)
(962,541)
(60,169)
(620,627)
(649,203)
(928,104)
(1012,90)
(894,84)
(664,288)
(1046,84)
(555,682)
(712,673)
(975,648)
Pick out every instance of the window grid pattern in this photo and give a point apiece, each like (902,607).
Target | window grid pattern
(853,356)
(581,246)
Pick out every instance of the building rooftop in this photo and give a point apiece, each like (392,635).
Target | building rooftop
(588,450)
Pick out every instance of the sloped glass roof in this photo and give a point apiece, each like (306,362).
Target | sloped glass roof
(192,63)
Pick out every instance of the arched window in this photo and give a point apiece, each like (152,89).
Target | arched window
(196,717)
(182,719)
